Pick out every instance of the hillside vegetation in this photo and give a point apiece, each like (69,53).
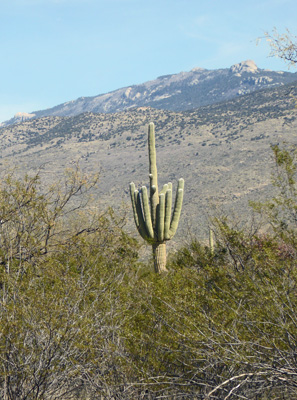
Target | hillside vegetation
(81,317)
(222,151)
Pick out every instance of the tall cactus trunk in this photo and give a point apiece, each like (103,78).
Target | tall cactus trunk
(152,212)
(159,254)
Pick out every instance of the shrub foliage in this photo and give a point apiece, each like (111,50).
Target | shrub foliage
(81,317)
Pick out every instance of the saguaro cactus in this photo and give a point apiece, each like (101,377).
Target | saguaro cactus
(152,214)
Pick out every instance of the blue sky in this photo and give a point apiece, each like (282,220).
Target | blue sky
(54,51)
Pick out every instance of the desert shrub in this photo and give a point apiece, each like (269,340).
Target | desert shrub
(223,324)
(216,330)
(63,268)
(81,317)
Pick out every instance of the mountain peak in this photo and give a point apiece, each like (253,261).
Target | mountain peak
(244,66)
(197,69)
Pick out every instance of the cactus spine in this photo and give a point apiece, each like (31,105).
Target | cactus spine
(152,213)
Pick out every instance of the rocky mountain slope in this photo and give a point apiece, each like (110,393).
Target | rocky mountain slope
(221,150)
(177,92)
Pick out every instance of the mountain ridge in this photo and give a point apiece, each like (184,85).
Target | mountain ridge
(176,92)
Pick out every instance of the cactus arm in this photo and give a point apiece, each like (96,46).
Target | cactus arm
(168,205)
(146,212)
(154,196)
(164,189)
(177,208)
(152,187)
(160,217)
(180,184)
(141,224)
(132,191)
(176,213)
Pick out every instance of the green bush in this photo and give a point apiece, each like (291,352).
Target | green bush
(82,318)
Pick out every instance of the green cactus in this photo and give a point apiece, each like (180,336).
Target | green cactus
(211,241)
(152,213)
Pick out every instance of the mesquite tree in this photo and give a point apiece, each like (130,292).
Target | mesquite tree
(152,214)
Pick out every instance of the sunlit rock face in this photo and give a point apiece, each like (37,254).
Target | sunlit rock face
(22,116)
(18,117)
(244,66)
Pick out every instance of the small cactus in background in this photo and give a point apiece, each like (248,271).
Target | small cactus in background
(152,212)
(211,242)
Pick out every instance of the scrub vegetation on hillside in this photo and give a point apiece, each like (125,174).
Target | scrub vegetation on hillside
(82,317)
